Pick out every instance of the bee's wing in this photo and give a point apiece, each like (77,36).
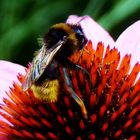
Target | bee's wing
(33,69)
(40,63)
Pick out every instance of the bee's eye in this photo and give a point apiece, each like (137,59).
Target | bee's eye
(80,36)
(82,40)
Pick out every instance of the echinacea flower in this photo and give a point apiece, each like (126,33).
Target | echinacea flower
(8,74)
(110,92)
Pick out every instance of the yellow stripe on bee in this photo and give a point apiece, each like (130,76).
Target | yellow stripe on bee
(73,38)
(47,92)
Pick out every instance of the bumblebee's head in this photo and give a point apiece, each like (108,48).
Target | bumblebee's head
(73,34)
(79,35)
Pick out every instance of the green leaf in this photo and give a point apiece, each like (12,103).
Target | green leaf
(119,12)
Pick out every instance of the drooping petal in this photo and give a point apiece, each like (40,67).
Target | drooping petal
(8,74)
(92,30)
(129,42)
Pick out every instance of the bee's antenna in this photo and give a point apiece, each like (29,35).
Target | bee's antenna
(81,19)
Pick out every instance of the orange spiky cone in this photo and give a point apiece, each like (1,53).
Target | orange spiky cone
(111,96)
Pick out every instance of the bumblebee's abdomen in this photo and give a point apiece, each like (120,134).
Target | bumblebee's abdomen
(47,92)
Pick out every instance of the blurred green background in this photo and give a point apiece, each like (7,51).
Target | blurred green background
(23,21)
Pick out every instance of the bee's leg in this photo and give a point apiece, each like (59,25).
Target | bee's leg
(71,65)
(81,68)
(73,94)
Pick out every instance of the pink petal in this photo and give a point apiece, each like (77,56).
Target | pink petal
(93,31)
(8,74)
(129,42)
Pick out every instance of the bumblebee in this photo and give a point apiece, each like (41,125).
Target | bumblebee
(58,44)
